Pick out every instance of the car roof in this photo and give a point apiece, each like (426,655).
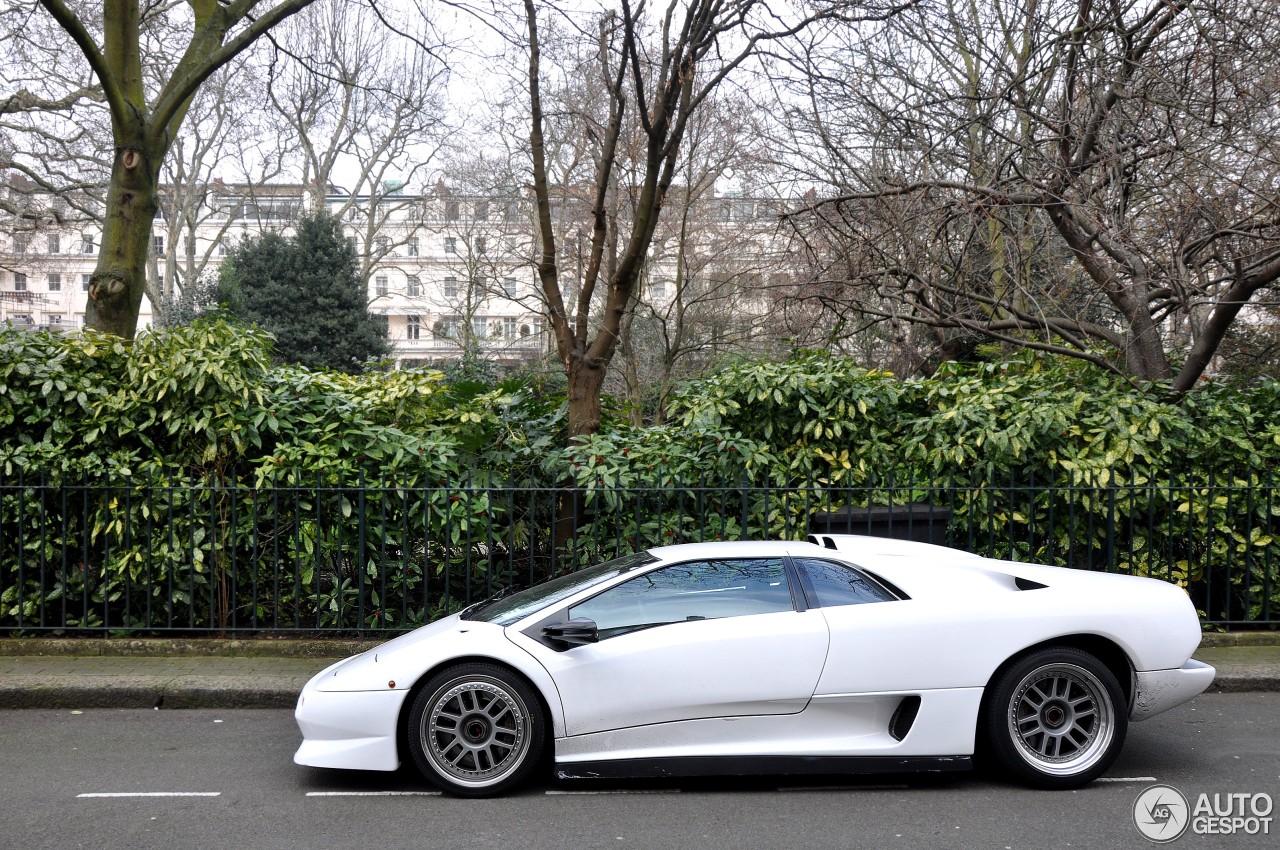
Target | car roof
(733,549)
(853,546)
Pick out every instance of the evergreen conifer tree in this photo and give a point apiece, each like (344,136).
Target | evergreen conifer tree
(306,291)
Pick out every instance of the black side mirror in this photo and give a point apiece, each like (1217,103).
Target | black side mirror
(571,633)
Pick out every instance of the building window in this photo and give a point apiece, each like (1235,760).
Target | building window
(509,327)
(513,211)
(351,245)
(450,245)
(509,287)
(446,329)
(222,247)
(415,286)
(84,282)
(482,210)
(413,327)
(19,282)
(55,283)
(380,285)
(86,244)
(452,211)
(412,246)
(19,243)
(383,245)
(55,243)
(658,288)
(479,327)
(157,245)
(450,287)
(55,320)
(481,244)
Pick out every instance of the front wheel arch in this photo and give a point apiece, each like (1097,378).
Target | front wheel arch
(406,707)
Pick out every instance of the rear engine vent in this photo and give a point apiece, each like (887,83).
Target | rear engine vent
(1027,584)
(903,717)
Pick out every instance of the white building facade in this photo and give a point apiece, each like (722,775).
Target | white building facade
(449,273)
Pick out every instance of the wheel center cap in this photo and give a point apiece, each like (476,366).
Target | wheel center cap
(1054,716)
(475,730)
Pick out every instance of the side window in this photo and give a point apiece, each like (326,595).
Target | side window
(697,590)
(828,583)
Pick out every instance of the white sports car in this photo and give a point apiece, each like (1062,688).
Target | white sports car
(844,654)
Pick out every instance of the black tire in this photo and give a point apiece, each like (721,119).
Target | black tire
(476,730)
(1055,719)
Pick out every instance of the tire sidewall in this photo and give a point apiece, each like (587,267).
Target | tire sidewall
(507,679)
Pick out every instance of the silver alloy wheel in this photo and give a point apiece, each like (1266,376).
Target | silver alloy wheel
(475,731)
(1061,719)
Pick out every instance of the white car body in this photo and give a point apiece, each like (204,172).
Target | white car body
(784,691)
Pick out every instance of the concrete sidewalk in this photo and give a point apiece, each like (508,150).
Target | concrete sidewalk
(159,673)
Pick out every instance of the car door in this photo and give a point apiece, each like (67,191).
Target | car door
(698,639)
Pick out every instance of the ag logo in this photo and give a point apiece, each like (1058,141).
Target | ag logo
(1161,813)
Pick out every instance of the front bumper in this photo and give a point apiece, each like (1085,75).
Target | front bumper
(353,730)
(1156,691)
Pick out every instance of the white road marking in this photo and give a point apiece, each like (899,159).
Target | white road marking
(1125,779)
(373,793)
(616,791)
(153,794)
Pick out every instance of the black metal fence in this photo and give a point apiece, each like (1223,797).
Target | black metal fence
(314,556)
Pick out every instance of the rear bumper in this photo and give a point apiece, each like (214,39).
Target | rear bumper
(1156,691)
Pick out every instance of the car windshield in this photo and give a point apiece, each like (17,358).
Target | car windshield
(516,606)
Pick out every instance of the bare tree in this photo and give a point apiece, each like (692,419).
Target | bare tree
(653,71)
(227,151)
(1091,179)
(363,97)
(146,114)
(704,288)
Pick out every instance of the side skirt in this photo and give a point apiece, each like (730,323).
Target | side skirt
(760,766)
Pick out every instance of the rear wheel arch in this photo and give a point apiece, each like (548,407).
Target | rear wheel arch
(1107,651)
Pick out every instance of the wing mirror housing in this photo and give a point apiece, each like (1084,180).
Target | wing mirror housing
(571,633)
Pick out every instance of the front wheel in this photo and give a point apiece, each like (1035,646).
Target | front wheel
(476,730)
(1056,719)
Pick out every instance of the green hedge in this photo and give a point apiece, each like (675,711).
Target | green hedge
(184,481)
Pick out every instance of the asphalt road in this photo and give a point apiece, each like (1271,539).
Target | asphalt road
(1219,743)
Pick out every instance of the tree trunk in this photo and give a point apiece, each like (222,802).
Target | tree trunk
(120,279)
(585,383)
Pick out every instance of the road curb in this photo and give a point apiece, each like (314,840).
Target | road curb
(159,696)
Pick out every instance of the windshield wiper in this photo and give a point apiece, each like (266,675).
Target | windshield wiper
(477,607)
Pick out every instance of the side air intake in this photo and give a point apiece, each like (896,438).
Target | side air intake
(903,717)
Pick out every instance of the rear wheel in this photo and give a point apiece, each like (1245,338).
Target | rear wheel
(1056,719)
(476,730)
